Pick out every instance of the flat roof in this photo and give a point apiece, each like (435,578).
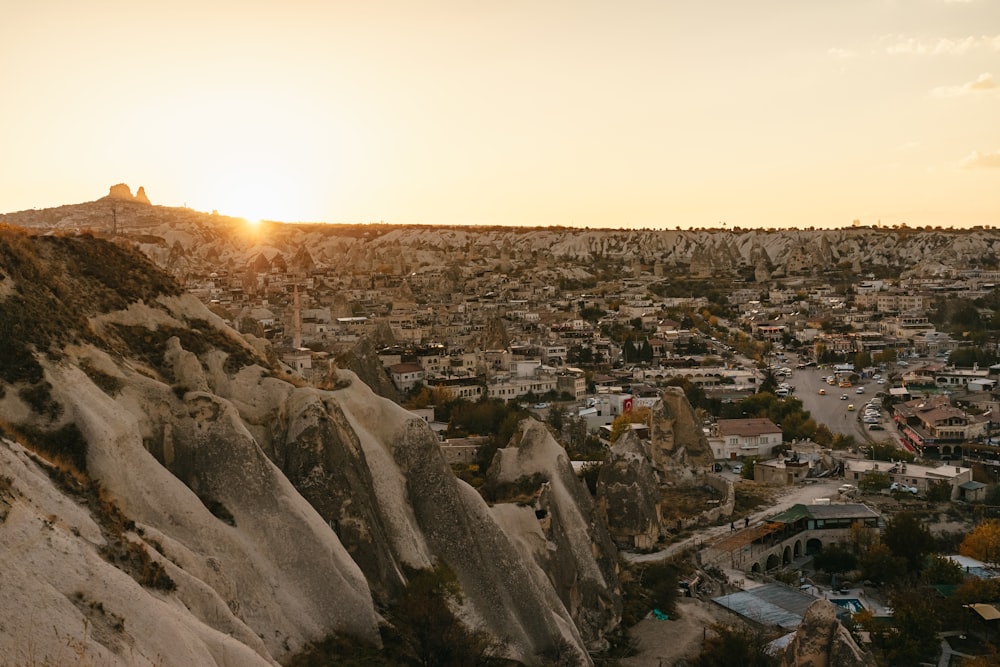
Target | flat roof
(832,511)
(770,604)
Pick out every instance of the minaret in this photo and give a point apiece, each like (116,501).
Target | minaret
(297,320)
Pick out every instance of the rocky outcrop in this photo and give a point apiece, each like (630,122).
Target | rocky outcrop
(562,531)
(123,192)
(207,511)
(628,490)
(678,443)
(822,641)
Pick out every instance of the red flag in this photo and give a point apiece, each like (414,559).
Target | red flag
(627,405)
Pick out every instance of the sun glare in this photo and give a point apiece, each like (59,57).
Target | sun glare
(257,194)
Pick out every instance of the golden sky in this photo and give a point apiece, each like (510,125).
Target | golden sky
(666,113)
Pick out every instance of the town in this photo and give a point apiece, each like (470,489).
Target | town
(891,379)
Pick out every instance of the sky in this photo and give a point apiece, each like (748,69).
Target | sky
(658,114)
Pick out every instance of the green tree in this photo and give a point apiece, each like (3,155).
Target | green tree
(835,558)
(874,481)
(939,570)
(908,538)
(939,491)
(556,417)
(428,630)
(880,565)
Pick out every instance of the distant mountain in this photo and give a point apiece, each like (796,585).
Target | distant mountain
(187,241)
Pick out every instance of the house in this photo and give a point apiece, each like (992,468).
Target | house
(910,474)
(406,375)
(781,471)
(736,438)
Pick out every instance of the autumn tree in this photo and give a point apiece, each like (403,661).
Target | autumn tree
(983,543)
(623,422)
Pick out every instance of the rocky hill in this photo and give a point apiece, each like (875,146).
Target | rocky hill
(168,497)
(189,242)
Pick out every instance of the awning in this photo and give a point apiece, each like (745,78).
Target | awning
(987,611)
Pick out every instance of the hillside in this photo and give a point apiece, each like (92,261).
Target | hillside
(167,497)
(187,242)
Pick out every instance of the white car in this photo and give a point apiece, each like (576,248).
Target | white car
(845,488)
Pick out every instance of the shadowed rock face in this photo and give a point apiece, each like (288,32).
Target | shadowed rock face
(676,437)
(821,641)
(508,592)
(195,464)
(563,531)
(629,491)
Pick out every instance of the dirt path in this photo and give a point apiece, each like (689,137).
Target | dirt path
(665,643)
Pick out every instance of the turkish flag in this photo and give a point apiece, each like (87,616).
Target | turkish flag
(627,405)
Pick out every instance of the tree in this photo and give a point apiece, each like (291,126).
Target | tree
(874,481)
(835,558)
(556,416)
(942,571)
(908,538)
(623,422)
(939,491)
(741,645)
(983,543)
(880,565)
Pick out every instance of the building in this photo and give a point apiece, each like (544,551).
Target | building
(406,375)
(910,474)
(736,438)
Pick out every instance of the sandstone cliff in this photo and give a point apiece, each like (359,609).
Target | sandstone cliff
(166,497)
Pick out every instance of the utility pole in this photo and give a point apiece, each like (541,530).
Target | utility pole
(114,221)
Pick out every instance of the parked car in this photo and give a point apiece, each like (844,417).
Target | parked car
(903,488)
(540,406)
(738,468)
(876,427)
(845,488)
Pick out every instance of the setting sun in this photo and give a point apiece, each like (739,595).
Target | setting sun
(771,114)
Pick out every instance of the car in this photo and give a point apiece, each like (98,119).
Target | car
(850,407)
(738,468)
(540,406)
(903,488)
(880,381)
(822,392)
(843,397)
(876,427)
(870,420)
(859,390)
(845,488)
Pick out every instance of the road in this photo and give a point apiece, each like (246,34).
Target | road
(830,409)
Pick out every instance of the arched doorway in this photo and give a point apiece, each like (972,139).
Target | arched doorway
(755,568)
(813,546)
(797,551)
(772,562)
(786,556)
(957,452)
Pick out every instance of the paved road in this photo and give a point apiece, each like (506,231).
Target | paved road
(831,409)
(790,495)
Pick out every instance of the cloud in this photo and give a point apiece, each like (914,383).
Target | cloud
(901,45)
(977,160)
(983,83)
(840,53)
